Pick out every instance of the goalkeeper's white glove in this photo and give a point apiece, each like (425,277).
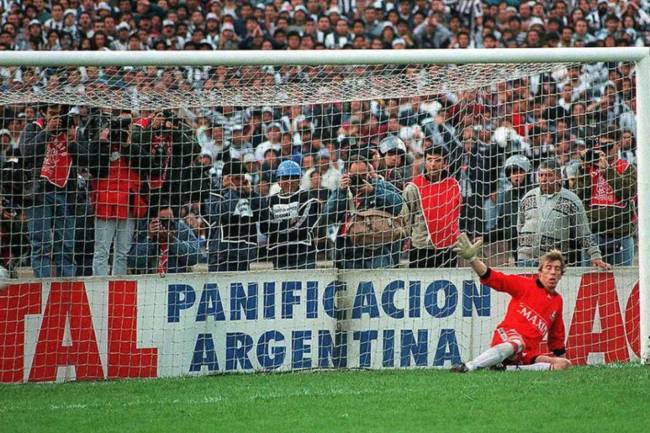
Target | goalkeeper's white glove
(466,249)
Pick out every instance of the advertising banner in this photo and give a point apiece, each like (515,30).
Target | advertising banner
(193,324)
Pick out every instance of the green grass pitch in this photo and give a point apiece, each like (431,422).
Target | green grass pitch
(586,399)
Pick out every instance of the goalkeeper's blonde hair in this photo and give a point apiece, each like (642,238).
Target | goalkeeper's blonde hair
(552,256)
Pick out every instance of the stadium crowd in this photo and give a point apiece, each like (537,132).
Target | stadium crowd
(160,191)
(313,24)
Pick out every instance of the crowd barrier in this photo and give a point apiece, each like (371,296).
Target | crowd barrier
(194,324)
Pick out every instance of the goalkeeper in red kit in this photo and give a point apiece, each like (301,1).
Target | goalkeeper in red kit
(534,312)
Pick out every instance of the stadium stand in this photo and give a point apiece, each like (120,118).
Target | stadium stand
(552,116)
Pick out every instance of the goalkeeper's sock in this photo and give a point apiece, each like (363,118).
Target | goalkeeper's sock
(538,366)
(492,356)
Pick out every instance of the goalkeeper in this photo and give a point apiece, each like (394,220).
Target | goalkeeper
(534,311)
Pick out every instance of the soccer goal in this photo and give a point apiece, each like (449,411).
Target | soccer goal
(302,207)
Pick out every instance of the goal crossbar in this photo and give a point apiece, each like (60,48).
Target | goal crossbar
(321,57)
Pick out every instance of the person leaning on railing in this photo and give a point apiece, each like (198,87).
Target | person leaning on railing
(233,213)
(115,196)
(432,204)
(552,217)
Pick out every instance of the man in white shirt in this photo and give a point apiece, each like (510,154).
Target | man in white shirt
(274,136)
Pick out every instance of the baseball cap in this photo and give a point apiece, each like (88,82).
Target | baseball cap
(168,23)
(227,26)
(35,22)
(288,169)
(333,10)
(206,43)
(211,16)
(104,6)
(302,9)
(123,26)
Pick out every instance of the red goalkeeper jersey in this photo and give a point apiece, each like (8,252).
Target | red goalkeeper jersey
(533,312)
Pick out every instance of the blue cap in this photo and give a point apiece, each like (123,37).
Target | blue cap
(288,169)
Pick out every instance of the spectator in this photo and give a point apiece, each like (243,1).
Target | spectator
(116,198)
(289,220)
(607,187)
(361,190)
(328,170)
(551,216)
(165,147)
(233,215)
(239,142)
(517,170)
(392,164)
(51,151)
(167,246)
(341,35)
(432,33)
(432,208)
(274,141)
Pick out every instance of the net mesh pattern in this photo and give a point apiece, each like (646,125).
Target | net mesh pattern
(196,87)
(136,171)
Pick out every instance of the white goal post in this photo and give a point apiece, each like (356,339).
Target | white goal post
(639,56)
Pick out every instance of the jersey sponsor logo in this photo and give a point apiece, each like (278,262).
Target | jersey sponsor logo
(533,318)
(284,211)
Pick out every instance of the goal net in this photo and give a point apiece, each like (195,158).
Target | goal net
(369,170)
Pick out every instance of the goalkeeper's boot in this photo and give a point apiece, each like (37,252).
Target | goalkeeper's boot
(459,368)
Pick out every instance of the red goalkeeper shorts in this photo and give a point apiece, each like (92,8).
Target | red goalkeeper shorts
(523,353)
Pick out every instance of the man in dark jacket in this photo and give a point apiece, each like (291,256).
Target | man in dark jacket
(289,219)
(233,215)
(606,185)
(165,148)
(166,245)
(53,154)
(517,170)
